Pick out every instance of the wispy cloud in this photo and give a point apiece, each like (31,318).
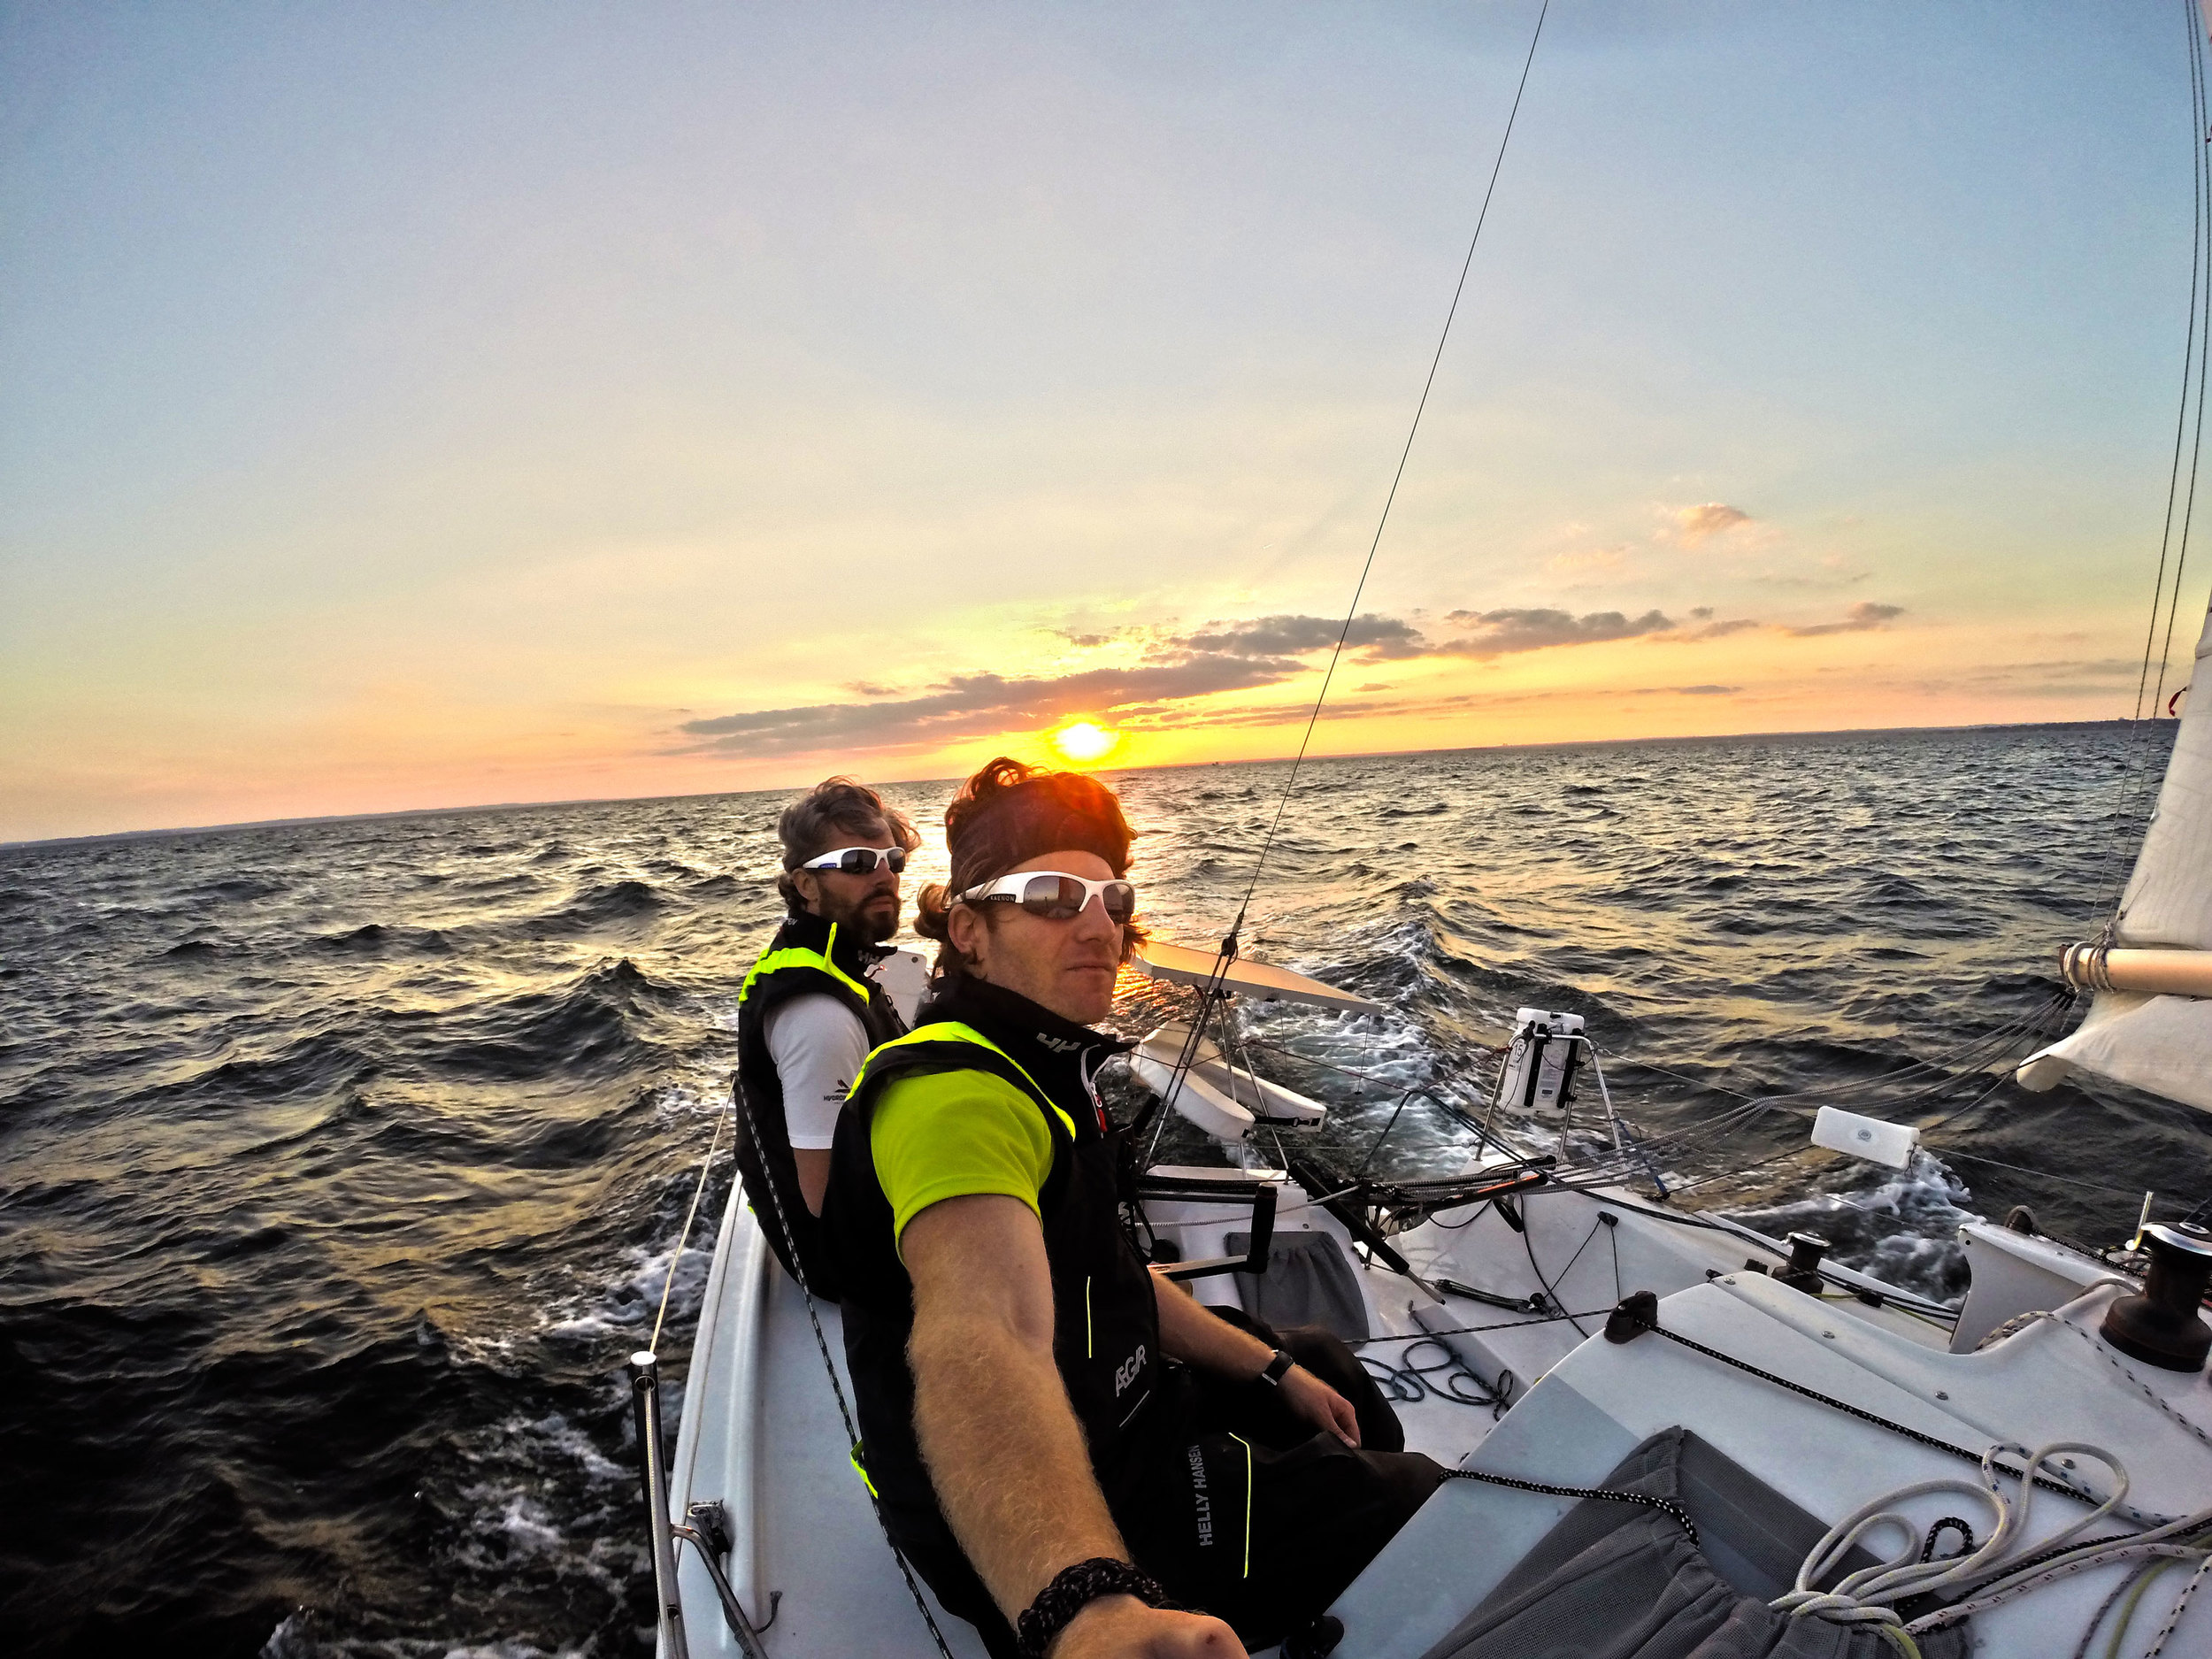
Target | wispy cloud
(1710,630)
(1379,637)
(1501,632)
(1702,523)
(1862,618)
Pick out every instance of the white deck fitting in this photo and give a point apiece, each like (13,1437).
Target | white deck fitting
(2013,1273)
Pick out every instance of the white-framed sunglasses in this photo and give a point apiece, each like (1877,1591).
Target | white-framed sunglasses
(1056,895)
(859,861)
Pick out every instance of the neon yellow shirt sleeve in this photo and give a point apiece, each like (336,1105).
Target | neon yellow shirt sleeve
(954,1134)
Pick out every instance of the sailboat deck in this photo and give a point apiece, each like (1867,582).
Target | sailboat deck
(763,1433)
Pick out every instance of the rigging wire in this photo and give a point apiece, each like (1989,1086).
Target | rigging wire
(1212,997)
(2204,173)
(706,1168)
(2197,346)
(2181,415)
(1435,360)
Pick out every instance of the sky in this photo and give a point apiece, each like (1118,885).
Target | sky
(433,404)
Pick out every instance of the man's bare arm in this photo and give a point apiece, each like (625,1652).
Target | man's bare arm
(1004,1447)
(814,1174)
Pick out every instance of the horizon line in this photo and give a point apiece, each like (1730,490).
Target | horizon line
(1179,765)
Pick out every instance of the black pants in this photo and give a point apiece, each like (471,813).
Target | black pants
(1238,1507)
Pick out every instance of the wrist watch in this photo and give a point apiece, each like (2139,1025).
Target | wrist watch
(1276,1369)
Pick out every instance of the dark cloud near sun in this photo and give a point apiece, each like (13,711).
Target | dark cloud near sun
(971,705)
(1176,669)
(1501,633)
(1710,630)
(1376,637)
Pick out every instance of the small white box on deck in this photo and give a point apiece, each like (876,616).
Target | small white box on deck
(1868,1138)
(1538,1073)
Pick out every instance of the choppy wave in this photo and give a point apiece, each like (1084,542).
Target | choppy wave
(341,1164)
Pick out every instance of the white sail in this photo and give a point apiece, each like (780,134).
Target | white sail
(2159,1043)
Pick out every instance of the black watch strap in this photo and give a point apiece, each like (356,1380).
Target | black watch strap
(1074,1588)
(1277,1369)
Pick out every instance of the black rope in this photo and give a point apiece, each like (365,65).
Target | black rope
(1580,1248)
(1665,1506)
(1527,1245)
(1948,1523)
(1409,1381)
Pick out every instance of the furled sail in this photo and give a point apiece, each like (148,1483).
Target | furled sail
(2158,1043)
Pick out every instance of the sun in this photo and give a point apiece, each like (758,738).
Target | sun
(1085,740)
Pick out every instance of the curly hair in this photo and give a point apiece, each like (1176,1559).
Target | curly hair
(835,807)
(1008,813)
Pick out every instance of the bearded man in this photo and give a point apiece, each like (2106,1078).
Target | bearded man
(811,1008)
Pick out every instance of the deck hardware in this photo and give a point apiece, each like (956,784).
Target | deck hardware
(1253,1260)
(710,1519)
(1633,1314)
(2141,1222)
(1491,1298)
(645,1398)
(2160,1327)
(734,1613)
(1317,1641)
(1804,1271)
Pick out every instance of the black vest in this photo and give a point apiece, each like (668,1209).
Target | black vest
(809,956)
(1106,1325)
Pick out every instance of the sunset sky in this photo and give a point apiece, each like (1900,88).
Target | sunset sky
(418,405)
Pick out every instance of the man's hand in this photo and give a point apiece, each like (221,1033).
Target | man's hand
(1313,1401)
(1122,1627)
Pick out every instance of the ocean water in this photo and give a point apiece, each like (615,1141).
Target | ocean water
(342,1163)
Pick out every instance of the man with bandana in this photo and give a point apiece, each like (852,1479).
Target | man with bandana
(1068,1447)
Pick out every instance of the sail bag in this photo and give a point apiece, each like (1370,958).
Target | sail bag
(1615,1580)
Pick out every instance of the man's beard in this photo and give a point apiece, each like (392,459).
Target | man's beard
(875,917)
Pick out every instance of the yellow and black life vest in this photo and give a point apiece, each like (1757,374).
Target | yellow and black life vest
(807,957)
(1106,1331)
